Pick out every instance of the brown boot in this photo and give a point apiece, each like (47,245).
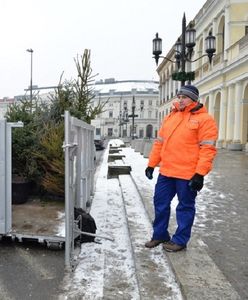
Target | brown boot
(172,247)
(153,243)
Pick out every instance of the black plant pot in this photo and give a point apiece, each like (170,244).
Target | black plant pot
(21,190)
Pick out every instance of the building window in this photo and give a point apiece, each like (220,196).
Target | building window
(150,102)
(110,114)
(98,131)
(110,131)
(149,114)
(246,30)
(141,104)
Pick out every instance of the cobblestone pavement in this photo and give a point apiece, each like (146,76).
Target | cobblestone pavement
(222,215)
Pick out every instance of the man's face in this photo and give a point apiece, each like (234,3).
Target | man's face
(184,101)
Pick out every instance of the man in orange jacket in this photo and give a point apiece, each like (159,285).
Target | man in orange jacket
(184,151)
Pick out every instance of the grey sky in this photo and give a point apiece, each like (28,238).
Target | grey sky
(118,32)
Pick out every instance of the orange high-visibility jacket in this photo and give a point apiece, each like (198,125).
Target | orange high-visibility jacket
(185,143)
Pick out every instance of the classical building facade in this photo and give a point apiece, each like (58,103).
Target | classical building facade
(223,85)
(130,110)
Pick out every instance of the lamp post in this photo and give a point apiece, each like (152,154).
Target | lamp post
(133,116)
(183,51)
(31,76)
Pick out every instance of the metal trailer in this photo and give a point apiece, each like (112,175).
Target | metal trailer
(79,176)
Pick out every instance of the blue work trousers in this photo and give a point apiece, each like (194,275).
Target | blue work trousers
(165,190)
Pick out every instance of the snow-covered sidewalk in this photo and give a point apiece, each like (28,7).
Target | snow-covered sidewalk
(124,268)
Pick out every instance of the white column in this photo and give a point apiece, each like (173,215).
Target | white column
(166,90)
(211,104)
(230,114)
(214,27)
(169,87)
(160,92)
(164,83)
(173,87)
(222,122)
(237,127)
(204,35)
(227,30)
(236,145)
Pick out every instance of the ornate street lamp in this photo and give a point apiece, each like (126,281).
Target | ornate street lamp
(133,116)
(123,119)
(183,51)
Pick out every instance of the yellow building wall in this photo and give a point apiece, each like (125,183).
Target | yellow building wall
(206,87)
(236,33)
(238,13)
(237,72)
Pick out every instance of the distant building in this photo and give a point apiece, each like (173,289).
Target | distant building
(128,102)
(4,103)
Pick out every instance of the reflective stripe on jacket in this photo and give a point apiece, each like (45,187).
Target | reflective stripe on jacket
(186,143)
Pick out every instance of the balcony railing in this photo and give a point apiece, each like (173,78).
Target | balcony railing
(205,68)
(217,59)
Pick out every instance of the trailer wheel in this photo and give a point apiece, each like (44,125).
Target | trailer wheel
(54,245)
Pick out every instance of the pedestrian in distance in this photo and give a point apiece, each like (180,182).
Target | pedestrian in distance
(184,151)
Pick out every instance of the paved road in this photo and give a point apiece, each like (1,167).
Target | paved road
(223,217)
(29,271)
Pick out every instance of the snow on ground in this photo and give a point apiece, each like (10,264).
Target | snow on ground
(105,265)
(88,279)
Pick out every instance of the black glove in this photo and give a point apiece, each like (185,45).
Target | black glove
(149,172)
(196,182)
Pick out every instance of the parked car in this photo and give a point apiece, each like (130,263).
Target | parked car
(99,144)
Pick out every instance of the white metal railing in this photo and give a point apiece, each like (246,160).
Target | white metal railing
(6,175)
(79,175)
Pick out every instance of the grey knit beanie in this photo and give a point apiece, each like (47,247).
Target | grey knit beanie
(190,91)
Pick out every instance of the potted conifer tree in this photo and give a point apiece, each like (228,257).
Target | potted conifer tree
(24,142)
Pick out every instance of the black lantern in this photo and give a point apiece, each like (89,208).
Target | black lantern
(210,46)
(184,49)
(157,47)
(178,51)
(190,39)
